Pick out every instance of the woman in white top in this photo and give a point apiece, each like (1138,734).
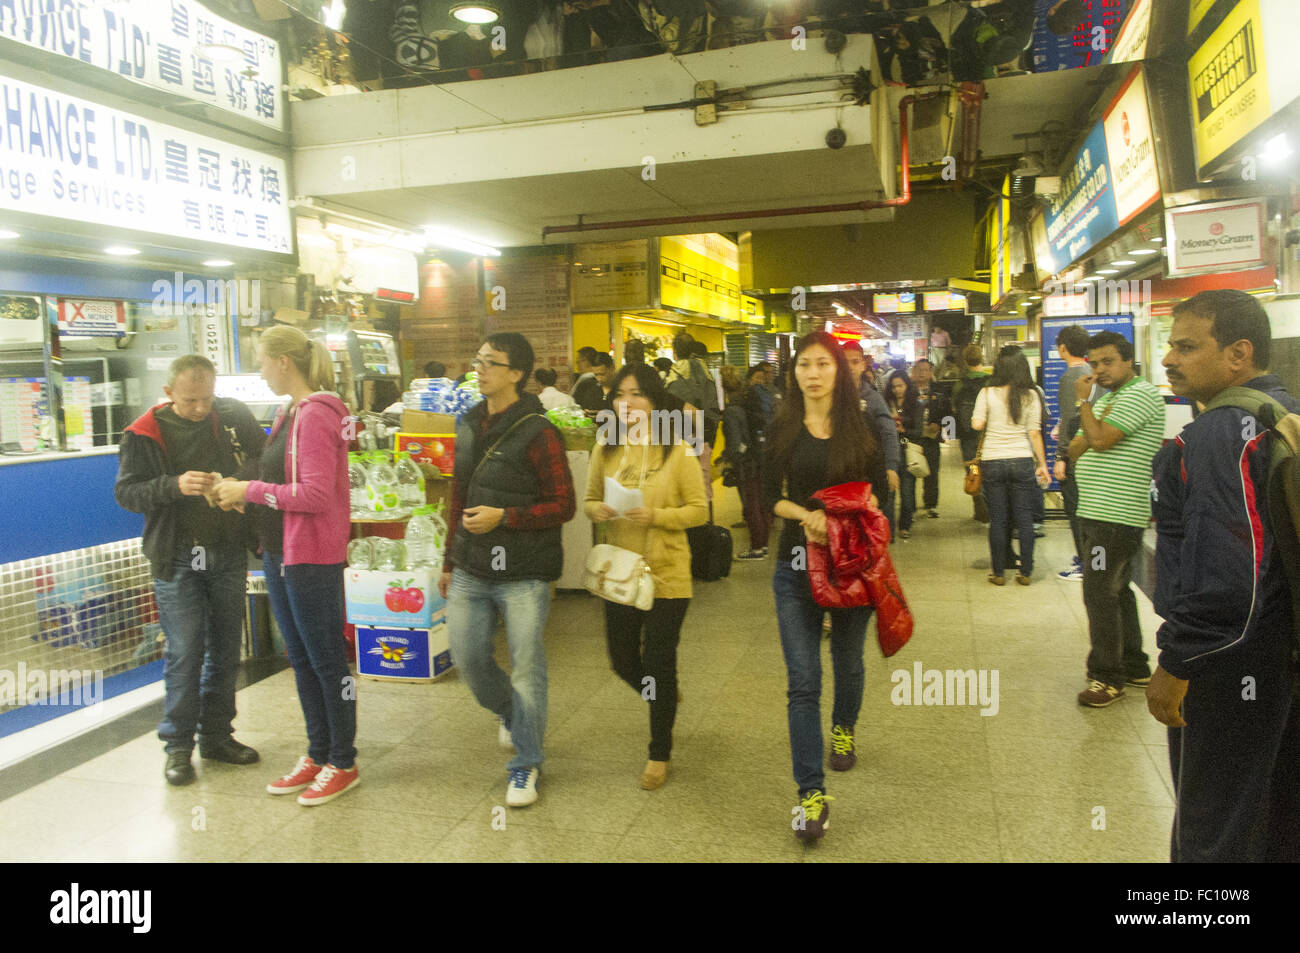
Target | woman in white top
(550,397)
(1012,462)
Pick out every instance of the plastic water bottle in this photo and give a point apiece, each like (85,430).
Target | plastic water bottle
(390,554)
(426,534)
(357,482)
(381,486)
(410,481)
(361,553)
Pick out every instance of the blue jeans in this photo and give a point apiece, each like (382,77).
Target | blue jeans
(202,613)
(799,619)
(1010,488)
(473,605)
(308,604)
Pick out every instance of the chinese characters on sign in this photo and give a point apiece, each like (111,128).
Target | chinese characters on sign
(72,159)
(174,45)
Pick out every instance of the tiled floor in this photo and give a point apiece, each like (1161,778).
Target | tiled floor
(1041,780)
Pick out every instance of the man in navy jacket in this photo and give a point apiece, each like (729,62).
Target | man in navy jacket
(1225,645)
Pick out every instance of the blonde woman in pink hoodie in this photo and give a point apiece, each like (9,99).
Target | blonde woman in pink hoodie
(304,532)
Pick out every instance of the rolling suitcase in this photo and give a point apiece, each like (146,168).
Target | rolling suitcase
(710,550)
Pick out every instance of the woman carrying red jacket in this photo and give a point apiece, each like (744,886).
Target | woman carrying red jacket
(819,439)
(304,535)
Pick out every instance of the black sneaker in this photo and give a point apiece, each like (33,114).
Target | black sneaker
(752,554)
(932,513)
(1138,681)
(230,751)
(178,770)
(814,818)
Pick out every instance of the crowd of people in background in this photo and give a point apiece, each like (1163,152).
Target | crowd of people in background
(204,475)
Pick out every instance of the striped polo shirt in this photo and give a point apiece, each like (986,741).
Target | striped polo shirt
(1115,484)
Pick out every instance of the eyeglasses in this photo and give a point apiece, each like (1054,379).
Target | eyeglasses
(480,362)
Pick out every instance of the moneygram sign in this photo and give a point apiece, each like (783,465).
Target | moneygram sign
(1217,236)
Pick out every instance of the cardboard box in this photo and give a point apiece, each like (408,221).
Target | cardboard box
(413,655)
(419,421)
(406,598)
(437,449)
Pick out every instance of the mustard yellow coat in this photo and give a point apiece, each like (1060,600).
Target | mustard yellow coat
(673,490)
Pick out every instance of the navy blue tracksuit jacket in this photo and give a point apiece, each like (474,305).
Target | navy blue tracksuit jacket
(1222,591)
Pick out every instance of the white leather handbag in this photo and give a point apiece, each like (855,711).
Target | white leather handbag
(619,575)
(914,456)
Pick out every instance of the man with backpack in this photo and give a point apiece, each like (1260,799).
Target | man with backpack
(690,382)
(1225,684)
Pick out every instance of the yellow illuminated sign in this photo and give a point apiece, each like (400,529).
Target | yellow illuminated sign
(1229,88)
(700,273)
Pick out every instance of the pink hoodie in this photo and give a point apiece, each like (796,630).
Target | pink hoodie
(316,501)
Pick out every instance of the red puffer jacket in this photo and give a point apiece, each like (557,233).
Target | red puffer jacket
(854,568)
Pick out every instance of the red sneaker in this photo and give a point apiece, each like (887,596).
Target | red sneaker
(329,784)
(303,773)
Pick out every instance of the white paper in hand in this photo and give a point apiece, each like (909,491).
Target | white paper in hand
(620,499)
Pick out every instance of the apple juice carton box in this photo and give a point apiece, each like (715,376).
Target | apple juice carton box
(404,598)
(405,654)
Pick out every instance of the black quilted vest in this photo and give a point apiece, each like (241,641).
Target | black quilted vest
(496,471)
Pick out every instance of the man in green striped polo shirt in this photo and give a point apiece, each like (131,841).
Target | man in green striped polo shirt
(1118,438)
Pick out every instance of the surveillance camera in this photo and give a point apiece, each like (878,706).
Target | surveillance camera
(836,138)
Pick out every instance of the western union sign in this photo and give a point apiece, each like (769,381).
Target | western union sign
(1229,86)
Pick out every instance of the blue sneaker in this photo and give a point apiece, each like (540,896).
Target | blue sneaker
(522,789)
(1074,573)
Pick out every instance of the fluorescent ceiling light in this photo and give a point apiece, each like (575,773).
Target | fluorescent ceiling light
(332,15)
(443,238)
(1035,297)
(1108,271)
(669,324)
(1090,278)
(1145,251)
(122,250)
(6,233)
(475,12)
(1124,261)
(1276,150)
(1157,239)
(338,228)
(217,263)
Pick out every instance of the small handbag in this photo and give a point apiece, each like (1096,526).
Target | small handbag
(620,575)
(974,480)
(917,465)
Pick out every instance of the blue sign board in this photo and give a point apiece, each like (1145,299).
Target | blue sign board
(1084,213)
(1054,365)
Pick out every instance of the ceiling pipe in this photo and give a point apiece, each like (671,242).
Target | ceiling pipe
(904,194)
(972,97)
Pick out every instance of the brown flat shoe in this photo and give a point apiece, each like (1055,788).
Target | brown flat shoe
(654,775)
(1022,580)
(997,580)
